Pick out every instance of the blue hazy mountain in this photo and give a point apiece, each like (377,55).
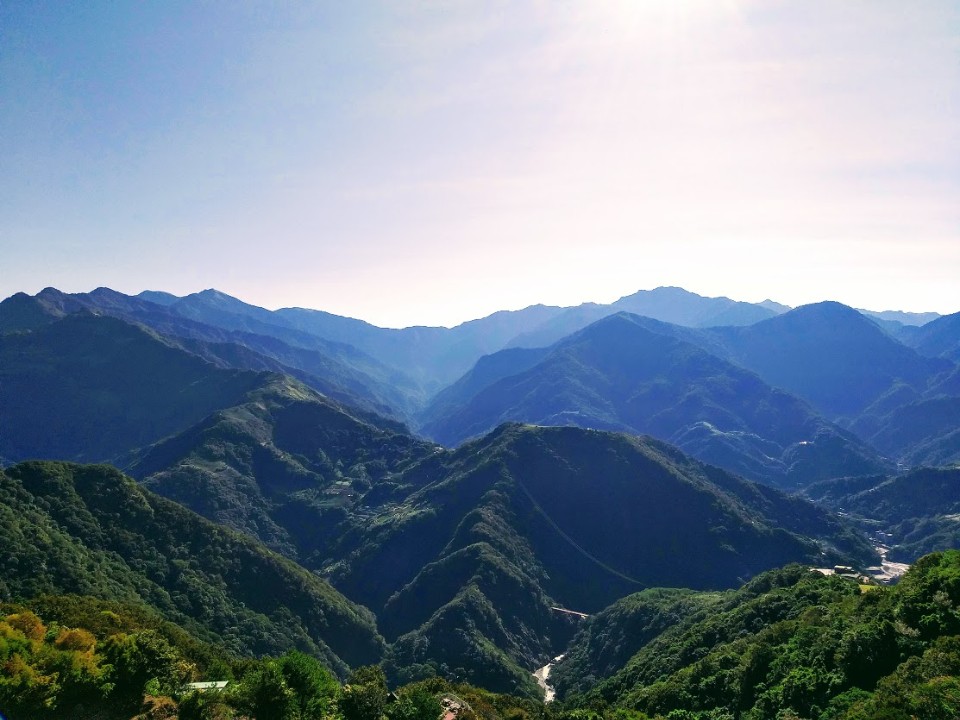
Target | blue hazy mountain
(632,374)
(939,338)
(906,319)
(335,369)
(830,355)
(92,388)
(667,304)
(915,512)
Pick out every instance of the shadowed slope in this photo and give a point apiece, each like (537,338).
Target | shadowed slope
(631,373)
(90,530)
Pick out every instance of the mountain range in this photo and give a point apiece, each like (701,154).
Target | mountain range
(626,373)
(487,536)
(846,367)
(436,494)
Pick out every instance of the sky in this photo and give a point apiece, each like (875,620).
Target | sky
(432,162)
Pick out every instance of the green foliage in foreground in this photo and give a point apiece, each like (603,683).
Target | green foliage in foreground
(806,646)
(86,658)
(791,645)
(127,664)
(609,639)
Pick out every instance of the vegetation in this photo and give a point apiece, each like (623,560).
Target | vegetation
(463,556)
(472,549)
(793,643)
(283,466)
(124,663)
(789,644)
(631,374)
(609,639)
(915,513)
(91,531)
(891,499)
(101,664)
(94,388)
(922,431)
(460,555)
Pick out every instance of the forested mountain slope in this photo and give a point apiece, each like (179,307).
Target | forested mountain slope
(93,388)
(939,338)
(487,537)
(914,513)
(89,530)
(831,356)
(283,465)
(792,643)
(335,369)
(628,373)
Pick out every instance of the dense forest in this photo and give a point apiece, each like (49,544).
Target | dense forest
(285,525)
(789,644)
(85,659)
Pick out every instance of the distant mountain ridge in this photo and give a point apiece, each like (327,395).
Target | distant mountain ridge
(830,355)
(338,370)
(403,368)
(852,369)
(632,374)
(939,338)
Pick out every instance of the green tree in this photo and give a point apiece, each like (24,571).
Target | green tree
(139,659)
(265,694)
(364,697)
(414,703)
(313,686)
(205,706)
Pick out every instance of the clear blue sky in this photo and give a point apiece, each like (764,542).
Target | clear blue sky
(433,162)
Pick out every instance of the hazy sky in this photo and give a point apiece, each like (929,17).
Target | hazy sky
(432,162)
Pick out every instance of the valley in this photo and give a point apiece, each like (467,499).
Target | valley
(581,502)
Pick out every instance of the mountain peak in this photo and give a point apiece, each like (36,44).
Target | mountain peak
(778,308)
(832,310)
(682,307)
(103,291)
(829,354)
(23,312)
(213,294)
(50,291)
(664,292)
(158,297)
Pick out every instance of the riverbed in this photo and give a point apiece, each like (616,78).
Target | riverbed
(543,679)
